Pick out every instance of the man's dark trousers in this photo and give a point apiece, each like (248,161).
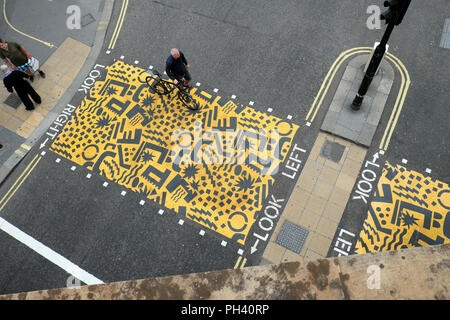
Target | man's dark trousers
(24,90)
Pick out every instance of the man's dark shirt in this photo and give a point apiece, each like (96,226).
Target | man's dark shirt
(15,79)
(176,68)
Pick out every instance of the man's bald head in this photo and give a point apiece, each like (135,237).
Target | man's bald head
(175,53)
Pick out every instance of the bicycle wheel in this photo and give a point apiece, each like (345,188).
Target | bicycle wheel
(158,86)
(187,100)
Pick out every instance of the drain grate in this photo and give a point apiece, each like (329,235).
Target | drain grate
(292,237)
(13,101)
(332,151)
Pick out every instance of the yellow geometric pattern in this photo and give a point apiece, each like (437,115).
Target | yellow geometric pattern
(215,166)
(408,210)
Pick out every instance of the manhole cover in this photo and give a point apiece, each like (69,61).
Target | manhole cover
(332,151)
(13,101)
(87,19)
(292,237)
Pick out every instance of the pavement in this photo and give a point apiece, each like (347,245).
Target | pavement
(90,166)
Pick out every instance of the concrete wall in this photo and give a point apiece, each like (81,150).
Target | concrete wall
(419,273)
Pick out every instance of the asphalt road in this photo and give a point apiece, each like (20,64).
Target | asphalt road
(275,53)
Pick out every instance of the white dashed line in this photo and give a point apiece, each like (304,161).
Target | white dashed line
(150,67)
(216,90)
(108,51)
(160,211)
(202,233)
(382,152)
(269,110)
(404,161)
(233,97)
(105,184)
(122,57)
(136,61)
(198,84)
(58,160)
(289,117)
(88,175)
(251,103)
(428,170)
(73,168)
(43,153)
(123,193)
(240,252)
(180,222)
(142,202)
(223,243)
(308,124)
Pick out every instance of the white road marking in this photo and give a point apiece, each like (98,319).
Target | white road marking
(251,103)
(180,222)
(105,184)
(122,57)
(240,252)
(123,193)
(48,253)
(160,211)
(202,232)
(88,175)
(404,161)
(381,152)
(142,202)
(289,117)
(223,243)
(269,110)
(58,160)
(308,124)
(108,51)
(233,97)
(216,90)
(73,168)
(198,84)
(427,170)
(43,153)
(136,62)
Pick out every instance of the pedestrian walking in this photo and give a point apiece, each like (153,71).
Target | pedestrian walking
(16,57)
(15,79)
(177,67)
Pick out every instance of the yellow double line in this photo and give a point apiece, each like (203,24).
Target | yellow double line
(19,181)
(406,81)
(238,263)
(115,35)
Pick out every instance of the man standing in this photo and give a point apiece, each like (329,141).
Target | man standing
(15,56)
(176,67)
(15,79)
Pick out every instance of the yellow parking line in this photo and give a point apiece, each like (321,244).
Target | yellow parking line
(237,262)
(118,25)
(24,174)
(400,97)
(22,33)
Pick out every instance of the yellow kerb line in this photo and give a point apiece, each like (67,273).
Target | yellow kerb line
(326,79)
(119,25)
(22,180)
(22,33)
(237,262)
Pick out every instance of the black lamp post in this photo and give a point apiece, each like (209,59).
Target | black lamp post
(393,16)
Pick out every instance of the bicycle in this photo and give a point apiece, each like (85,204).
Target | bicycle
(164,87)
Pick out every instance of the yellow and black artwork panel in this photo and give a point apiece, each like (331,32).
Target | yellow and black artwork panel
(215,166)
(408,210)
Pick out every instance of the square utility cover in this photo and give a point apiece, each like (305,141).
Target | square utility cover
(13,101)
(332,151)
(292,237)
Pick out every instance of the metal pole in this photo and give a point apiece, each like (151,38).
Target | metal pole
(373,67)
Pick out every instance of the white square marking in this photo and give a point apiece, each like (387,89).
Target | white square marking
(202,233)
(43,153)
(123,193)
(198,84)
(404,161)
(150,67)
(289,117)
(73,168)
(105,184)
(136,61)
(240,252)
(108,51)
(308,124)
(382,152)
(58,160)
(269,110)
(165,73)
(223,243)
(88,175)
(180,222)
(251,103)
(142,202)
(122,57)
(427,170)
(233,97)
(216,90)
(160,211)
